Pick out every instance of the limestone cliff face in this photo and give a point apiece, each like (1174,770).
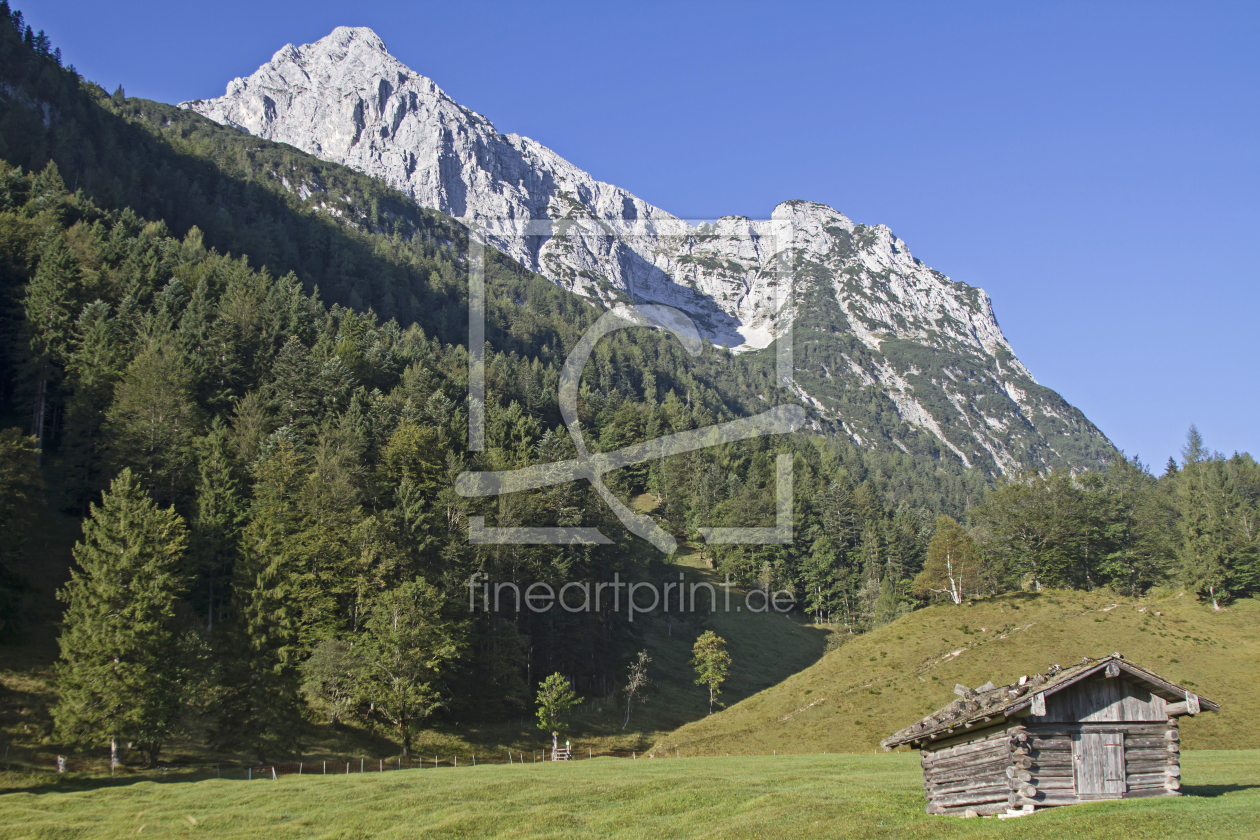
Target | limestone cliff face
(877,317)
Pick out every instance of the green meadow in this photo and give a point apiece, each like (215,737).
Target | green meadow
(849,796)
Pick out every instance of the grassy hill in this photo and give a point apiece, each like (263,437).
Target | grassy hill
(880,682)
(853,796)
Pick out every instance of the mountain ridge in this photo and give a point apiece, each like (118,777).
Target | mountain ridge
(346,99)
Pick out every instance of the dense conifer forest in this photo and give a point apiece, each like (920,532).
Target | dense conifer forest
(243,370)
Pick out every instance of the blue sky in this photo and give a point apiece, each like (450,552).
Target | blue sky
(1094,166)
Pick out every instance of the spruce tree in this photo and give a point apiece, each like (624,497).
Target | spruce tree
(91,371)
(154,419)
(121,674)
(260,709)
(1205,566)
(48,305)
(220,513)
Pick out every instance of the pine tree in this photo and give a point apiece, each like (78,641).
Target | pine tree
(121,674)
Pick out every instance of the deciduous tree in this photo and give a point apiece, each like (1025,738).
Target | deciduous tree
(711,663)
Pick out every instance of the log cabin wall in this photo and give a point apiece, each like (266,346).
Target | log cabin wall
(1103,738)
(971,775)
(1151,763)
(1103,699)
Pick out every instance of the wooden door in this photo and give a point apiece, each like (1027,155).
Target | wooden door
(1099,761)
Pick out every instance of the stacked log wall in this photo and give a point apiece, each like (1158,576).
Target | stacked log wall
(1151,752)
(973,775)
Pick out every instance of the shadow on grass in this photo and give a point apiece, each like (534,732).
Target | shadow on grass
(71,783)
(1213,791)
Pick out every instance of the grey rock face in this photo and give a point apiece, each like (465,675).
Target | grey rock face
(347,100)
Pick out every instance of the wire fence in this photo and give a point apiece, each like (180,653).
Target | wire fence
(53,770)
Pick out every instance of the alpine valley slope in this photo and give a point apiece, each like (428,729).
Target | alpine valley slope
(882,681)
(888,352)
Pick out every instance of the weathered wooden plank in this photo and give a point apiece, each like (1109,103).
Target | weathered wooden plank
(962,774)
(1149,755)
(970,747)
(995,731)
(1152,742)
(987,809)
(1155,766)
(979,749)
(1143,779)
(993,768)
(936,791)
(1069,730)
(978,757)
(1048,760)
(972,760)
(1060,783)
(1050,743)
(1145,792)
(972,798)
(1038,778)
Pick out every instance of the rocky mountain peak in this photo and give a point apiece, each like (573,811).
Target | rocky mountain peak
(931,346)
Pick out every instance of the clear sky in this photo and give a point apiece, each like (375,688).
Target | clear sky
(1094,166)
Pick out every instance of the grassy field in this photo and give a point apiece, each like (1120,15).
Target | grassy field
(885,680)
(847,796)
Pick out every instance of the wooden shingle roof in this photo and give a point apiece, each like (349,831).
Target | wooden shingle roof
(978,707)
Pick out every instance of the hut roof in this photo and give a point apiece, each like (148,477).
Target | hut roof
(988,701)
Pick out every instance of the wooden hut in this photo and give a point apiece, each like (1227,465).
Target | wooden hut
(1103,729)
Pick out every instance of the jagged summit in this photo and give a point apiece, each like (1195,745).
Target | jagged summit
(875,315)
